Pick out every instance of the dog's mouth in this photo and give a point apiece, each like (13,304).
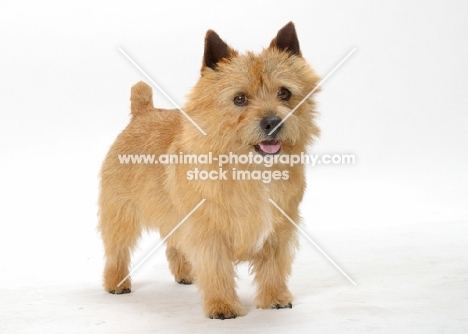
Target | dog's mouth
(268,147)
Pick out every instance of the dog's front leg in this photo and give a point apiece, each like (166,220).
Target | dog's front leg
(272,267)
(214,275)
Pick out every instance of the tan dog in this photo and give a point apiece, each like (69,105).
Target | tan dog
(238,101)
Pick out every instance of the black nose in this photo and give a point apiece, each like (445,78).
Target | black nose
(268,123)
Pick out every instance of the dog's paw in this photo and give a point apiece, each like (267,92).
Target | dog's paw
(274,299)
(278,306)
(275,305)
(185,281)
(114,283)
(222,316)
(112,286)
(222,310)
(120,291)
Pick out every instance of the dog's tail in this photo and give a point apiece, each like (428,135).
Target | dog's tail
(142,98)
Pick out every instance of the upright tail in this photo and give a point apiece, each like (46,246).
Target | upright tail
(142,98)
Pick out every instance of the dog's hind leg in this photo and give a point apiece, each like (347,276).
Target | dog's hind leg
(179,265)
(120,231)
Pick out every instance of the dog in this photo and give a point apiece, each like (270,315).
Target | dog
(243,105)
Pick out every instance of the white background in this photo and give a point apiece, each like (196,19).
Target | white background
(396,221)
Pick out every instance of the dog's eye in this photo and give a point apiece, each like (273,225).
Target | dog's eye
(284,94)
(240,100)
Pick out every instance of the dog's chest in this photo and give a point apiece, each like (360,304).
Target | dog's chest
(266,230)
(255,226)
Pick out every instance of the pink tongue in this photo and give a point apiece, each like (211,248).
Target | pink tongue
(269,147)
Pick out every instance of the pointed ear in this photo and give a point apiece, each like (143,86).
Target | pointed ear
(286,40)
(215,50)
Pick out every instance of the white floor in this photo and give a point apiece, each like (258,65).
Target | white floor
(411,278)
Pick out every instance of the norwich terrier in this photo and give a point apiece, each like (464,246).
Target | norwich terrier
(240,103)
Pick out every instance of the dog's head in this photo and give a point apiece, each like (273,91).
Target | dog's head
(257,102)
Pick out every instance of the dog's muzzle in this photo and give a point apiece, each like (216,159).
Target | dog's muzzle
(271,146)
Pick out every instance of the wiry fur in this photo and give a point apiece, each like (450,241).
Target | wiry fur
(236,222)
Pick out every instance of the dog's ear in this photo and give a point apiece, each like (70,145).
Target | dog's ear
(215,50)
(286,40)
